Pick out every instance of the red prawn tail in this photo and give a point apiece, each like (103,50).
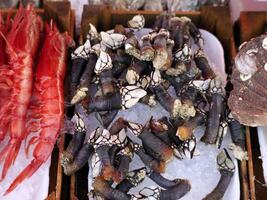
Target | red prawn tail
(41,153)
(32,141)
(26,173)
(11,155)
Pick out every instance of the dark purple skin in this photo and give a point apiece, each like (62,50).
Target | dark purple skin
(163,136)
(160,41)
(163,182)
(191,94)
(120,62)
(88,73)
(80,160)
(124,186)
(177,84)
(226,168)
(131,182)
(106,81)
(237,133)
(78,66)
(75,145)
(105,103)
(112,154)
(177,34)
(131,39)
(176,192)
(108,117)
(214,117)
(107,169)
(172,128)
(158,130)
(154,146)
(196,121)
(101,186)
(202,64)
(124,164)
(149,161)
(145,45)
(163,97)
(194,31)
(138,66)
(93,88)
(117,126)
(219,190)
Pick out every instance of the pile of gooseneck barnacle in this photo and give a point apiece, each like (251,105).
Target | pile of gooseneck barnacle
(114,70)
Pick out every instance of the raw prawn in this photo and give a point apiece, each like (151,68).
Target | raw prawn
(21,47)
(48,97)
(5,74)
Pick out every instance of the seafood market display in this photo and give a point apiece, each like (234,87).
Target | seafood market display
(32,102)
(248,97)
(113,72)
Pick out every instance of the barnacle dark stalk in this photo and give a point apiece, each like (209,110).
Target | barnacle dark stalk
(176,192)
(162,181)
(106,81)
(185,131)
(76,143)
(117,126)
(154,146)
(160,129)
(85,80)
(101,186)
(125,157)
(78,65)
(120,62)
(161,52)
(213,122)
(202,63)
(172,193)
(80,160)
(177,32)
(226,168)
(238,146)
(215,112)
(195,33)
(105,103)
(107,171)
(146,49)
(131,45)
(135,71)
(174,106)
(107,117)
(152,163)
(83,155)
(125,98)
(149,99)
(133,179)
(79,59)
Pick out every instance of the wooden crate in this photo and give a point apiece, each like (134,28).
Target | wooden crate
(250,25)
(213,19)
(62,14)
